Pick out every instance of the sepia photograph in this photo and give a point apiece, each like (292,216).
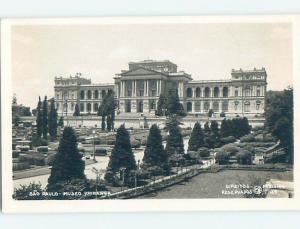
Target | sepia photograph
(149,109)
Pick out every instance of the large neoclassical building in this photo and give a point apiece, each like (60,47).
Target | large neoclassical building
(137,91)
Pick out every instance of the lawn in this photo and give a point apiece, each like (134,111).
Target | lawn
(210,185)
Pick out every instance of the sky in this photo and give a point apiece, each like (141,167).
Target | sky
(206,51)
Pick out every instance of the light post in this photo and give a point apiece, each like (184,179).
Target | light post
(94,156)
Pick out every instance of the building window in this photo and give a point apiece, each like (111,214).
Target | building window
(72,106)
(225,92)
(247,91)
(57,96)
(89,107)
(207,92)
(95,107)
(197,106)
(206,106)
(216,106)
(198,92)
(257,105)
(216,92)
(247,106)
(153,92)
(258,91)
(225,106)
(82,107)
(89,94)
(128,107)
(103,93)
(236,104)
(82,95)
(57,106)
(96,94)
(189,92)
(236,92)
(141,92)
(189,107)
(140,106)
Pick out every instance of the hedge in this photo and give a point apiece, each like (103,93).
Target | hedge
(20,166)
(33,159)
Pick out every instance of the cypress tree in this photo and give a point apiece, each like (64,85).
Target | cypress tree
(52,120)
(77,110)
(109,123)
(174,107)
(61,121)
(39,119)
(214,126)
(161,104)
(226,128)
(154,154)
(206,128)
(174,140)
(121,155)
(67,164)
(197,138)
(45,118)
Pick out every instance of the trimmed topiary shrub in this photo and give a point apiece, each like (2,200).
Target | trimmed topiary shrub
(222,158)
(227,140)
(247,138)
(231,149)
(244,157)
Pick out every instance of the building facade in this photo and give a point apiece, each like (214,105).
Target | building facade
(137,91)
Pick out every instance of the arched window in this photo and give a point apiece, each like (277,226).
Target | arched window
(198,92)
(96,94)
(89,107)
(103,93)
(207,92)
(247,106)
(216,92)
(225,92)
(82,95)
(247,91)
(128,106)
(82,107)
(95,107)
(206,106)
(140,106)
(225,106)
(189,92)
(188,106)
(216,106)
(236,104)
(197,106)
(258,105)
(89,94)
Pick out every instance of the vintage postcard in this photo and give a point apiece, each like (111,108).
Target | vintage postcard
(150,114)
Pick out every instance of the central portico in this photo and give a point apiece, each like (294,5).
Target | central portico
(138,89)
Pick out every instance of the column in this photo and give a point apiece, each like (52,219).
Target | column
(220,106)
(157,92)
(211,92)
(145,87)
(221,91)
(134,87)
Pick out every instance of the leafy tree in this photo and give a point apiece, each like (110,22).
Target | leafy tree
(197,138)
(52,120)
(161,105)
(279,119)
(45,118)
(77,110)
(226,128)
(121,156)
(174,140)
(67,164)
(154,154)
(32,191)
(39,119)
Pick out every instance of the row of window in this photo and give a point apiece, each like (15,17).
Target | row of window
(89,94)
(140,106)
(82,108)
(216,92)
(216,106)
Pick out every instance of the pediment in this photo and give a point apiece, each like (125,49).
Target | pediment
(141,71)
